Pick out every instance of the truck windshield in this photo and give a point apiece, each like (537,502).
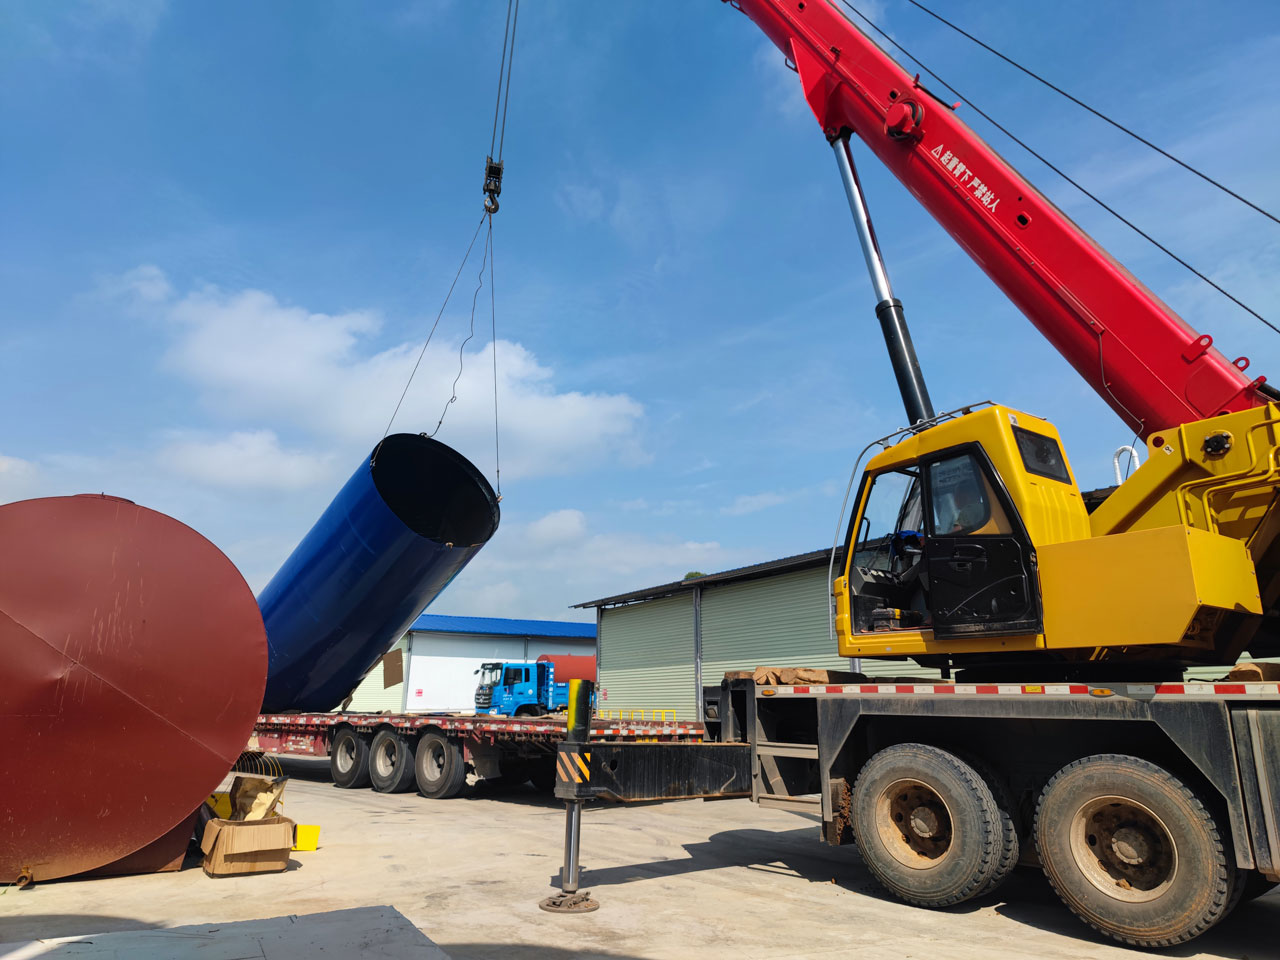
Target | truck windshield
(490,673)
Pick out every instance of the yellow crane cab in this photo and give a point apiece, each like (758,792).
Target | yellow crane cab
(970,541)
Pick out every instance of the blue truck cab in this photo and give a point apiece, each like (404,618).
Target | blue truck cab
(520,689)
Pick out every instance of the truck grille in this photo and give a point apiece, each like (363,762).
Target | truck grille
(484,697)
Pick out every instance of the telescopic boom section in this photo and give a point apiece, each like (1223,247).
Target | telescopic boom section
(1140,356)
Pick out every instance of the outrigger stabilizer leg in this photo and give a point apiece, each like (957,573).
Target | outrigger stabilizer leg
(573,763)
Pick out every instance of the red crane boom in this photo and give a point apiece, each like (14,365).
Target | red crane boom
(1144,360)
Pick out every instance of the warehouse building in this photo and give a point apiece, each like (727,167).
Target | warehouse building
(432,668)
(659,646)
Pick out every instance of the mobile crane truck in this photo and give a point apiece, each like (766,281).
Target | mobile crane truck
(1067,736)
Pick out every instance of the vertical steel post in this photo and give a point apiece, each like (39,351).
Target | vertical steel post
(579,729)
(697,654)
(893,324)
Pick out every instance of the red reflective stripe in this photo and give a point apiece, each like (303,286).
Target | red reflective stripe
(988,688)
(1170,688)
(1079,688)
(868,688)
(904,688)
(1229,688)
(834,689)
(799,689)
(944,689)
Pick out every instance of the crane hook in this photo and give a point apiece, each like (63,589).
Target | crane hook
(492,184)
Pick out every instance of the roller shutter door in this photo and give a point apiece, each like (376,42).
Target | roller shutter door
(646,659)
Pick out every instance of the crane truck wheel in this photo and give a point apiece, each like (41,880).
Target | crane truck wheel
(1133,851)
(439,767)
(391,762)
(928,825)
(1010,845)
(349,759)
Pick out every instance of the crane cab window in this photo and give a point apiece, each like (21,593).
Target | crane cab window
(893,511)
(962,499)
(1041,455)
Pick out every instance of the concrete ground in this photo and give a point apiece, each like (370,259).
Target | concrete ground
(689,879)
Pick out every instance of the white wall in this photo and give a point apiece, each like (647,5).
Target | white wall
(441,674)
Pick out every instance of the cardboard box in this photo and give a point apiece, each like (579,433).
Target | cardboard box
(233,847)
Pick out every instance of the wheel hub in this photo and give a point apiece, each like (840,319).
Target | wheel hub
(1131,845)
(925,822)
(1124,849)
(914,823)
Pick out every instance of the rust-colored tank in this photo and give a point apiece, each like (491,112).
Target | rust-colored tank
(132,665)
(571,666)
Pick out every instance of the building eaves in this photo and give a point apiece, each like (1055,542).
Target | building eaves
(800,561)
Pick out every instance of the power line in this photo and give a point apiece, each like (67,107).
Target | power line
(1096,199)
(1097,113)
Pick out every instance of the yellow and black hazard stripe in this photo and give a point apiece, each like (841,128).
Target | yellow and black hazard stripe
(573,766)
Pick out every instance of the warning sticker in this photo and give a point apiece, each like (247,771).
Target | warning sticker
(966,178)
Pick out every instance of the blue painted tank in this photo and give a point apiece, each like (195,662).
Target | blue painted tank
(404,525)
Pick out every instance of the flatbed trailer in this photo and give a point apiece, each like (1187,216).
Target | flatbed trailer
(435,751)
(1152,808)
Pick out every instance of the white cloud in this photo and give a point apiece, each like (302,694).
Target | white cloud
(246,459)
(783,91)
(142,285)
(19,479)
(260,360)
(97,32)
(559,526)
(753,502)
(532,569)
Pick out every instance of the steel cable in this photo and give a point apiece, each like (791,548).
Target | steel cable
(1111,210)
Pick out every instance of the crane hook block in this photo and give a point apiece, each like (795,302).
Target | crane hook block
(492,183)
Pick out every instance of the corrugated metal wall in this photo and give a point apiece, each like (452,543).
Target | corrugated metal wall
(647,648)
(646,658)
(778,621)
(371,697)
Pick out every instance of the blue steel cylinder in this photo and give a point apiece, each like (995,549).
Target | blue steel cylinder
(404,525)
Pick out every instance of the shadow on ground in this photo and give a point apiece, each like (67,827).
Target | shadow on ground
(1026,897)
(526,951)
(52,926)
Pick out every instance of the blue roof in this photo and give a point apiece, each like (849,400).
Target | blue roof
(504,627)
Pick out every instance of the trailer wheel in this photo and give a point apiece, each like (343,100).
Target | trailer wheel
(349,759)
(439,768)
(391,762)
(1133,851)
(927,825)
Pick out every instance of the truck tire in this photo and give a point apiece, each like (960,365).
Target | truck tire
(349,759)
(530,710)
(438,767)
(1133,851)
(391,762)
(927,825)
(1010,846)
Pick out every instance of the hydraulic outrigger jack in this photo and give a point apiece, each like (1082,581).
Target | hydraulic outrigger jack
(572,767)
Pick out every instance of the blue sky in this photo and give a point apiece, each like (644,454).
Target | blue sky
(227,228)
